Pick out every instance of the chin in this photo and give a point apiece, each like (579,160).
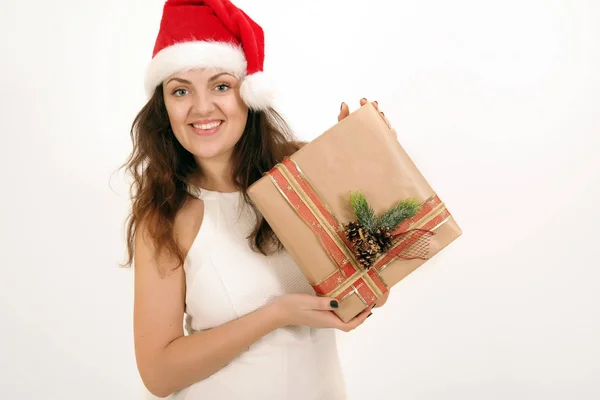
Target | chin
(211,152)
(215,146)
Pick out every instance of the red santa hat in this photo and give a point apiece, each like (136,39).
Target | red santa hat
(211,34)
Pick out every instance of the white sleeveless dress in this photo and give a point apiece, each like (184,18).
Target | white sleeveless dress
(226,280)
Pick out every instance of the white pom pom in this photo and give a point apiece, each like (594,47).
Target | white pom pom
(257,91)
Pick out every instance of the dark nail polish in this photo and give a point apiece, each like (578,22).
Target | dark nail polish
(382,114)
(369,315)
(341,106)
(376,102)
(334,304)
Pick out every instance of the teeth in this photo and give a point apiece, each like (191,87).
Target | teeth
(207,126)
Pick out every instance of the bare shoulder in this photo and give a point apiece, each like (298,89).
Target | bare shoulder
(185,228)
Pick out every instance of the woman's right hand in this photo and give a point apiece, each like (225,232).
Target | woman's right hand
(314,311)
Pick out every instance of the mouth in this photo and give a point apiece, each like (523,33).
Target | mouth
(206,129)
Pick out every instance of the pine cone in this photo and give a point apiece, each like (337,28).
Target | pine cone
(366,260)
(352,231)
(366,250)
(356,232)
(383,238)
(367,245)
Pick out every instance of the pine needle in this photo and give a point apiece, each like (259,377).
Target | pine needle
(363,211)
(405,209)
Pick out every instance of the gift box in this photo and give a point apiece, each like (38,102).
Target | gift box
(354,212)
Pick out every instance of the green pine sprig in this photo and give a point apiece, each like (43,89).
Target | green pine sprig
(365,214)
(405,209)
(363,211)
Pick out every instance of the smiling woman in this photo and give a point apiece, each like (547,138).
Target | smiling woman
(202,253)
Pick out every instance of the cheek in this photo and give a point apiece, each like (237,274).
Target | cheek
(176,115)
(238,118)
(235,110)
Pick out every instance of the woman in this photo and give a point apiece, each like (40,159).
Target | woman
(255,328)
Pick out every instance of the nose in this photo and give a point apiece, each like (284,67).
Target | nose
(204,104)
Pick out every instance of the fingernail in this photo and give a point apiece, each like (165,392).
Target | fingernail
(364,99)
(341,106)
(334,304)
(376,102)
(369,315)
(382,114)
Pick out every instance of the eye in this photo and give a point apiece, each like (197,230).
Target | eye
(179,92)
(223,87)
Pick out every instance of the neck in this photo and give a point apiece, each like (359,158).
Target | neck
(215,175)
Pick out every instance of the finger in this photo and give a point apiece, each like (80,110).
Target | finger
(363,101)
(387,121)
(344,111)
(358,320)
(382,300)
(330,320)
(326,304)
(375,104)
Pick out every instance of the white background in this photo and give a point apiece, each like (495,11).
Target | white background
(498,103)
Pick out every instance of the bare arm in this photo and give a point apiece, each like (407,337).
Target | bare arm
(192,358)
(167,360)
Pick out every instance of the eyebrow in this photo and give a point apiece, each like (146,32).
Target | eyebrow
(213,78)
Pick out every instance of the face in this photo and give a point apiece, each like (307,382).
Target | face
(206,112)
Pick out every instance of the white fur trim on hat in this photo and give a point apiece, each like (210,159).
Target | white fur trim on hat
(196,54)
(257,91)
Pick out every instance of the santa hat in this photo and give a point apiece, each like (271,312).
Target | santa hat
(211,34)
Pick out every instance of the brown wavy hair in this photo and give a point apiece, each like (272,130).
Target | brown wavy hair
(161,168)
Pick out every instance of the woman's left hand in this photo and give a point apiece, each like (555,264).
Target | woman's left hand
(345,111)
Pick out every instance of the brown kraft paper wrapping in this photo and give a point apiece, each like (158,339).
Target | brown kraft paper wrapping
(360,153)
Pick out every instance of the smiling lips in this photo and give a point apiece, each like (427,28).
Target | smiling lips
(206,128)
